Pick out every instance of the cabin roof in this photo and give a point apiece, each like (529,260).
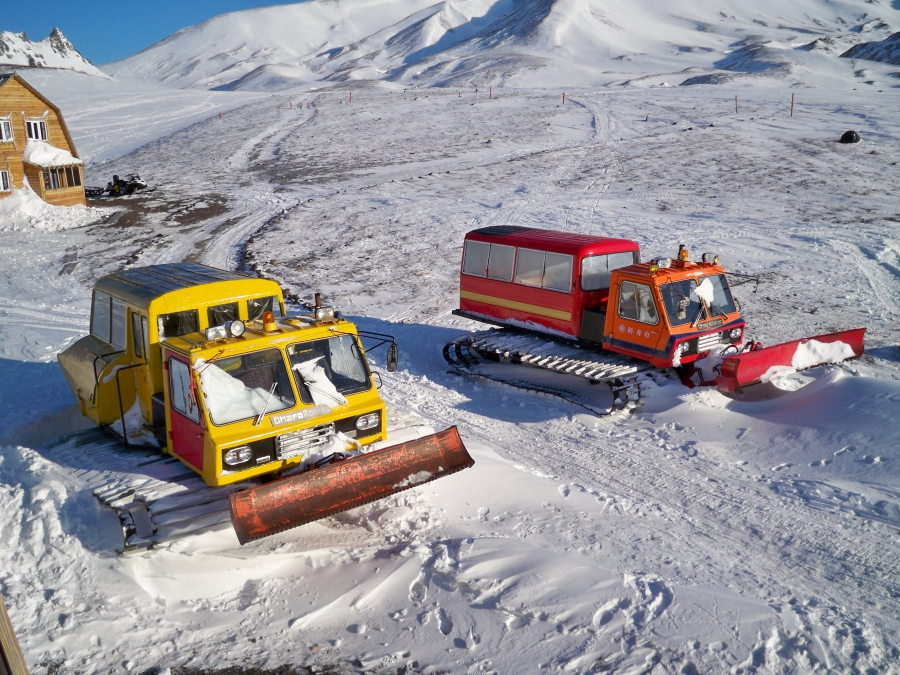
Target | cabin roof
(62,123)
(142,285)
(556,242)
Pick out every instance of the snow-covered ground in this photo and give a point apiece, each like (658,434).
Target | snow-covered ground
(696,535)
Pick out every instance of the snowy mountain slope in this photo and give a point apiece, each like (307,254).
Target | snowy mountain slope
(886,51)
(54,51)
(519,42)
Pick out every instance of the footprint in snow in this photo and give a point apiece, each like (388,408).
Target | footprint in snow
(820,462)
(444,623)
(564,491)
(781,467)
(844,450)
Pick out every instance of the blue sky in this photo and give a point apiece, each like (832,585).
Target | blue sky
(108,31)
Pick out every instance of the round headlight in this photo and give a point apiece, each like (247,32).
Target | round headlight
(235,328)
(369,421)
(735,333)
(238,455)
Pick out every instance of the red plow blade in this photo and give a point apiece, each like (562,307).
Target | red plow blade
(297,500)
(749,368)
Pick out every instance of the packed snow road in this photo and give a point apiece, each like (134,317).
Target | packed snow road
(695,535)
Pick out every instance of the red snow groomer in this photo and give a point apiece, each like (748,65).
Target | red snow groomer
(587,306)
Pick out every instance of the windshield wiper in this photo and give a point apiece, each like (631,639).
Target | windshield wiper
(259,418)
(699,314)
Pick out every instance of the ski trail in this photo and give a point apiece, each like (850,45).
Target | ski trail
(883,284)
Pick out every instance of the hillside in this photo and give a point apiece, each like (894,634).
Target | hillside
(513,42)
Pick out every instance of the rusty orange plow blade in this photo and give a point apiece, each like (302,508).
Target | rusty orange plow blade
(297,500)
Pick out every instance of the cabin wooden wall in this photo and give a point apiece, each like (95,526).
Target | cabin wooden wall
(20,103)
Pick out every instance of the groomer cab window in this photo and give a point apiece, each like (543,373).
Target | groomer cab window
(596,270)
(636,303)
(109,320)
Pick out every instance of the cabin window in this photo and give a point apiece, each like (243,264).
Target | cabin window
(119,324)
(4,181)
(636,303)
(36,130)
(5,131)
(342,363)
(475,258)
(596,270)
(544,270)
(177,324)
(73,176)
(100,316)
(180,395)
(56,178)
(558,272)
(530,267)
(145,334)
(500,262)
(221,314)
(136,335)
(257,306)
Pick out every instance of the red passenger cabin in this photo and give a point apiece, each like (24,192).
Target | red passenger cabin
(524,277)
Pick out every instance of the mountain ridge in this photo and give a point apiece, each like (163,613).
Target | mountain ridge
(517,42)
(54,51)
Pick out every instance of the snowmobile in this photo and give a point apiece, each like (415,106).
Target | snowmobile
(587,306)
(119,187)
(279,415)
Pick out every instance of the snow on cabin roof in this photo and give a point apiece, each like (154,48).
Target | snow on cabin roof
(141,285)
(43,154)
(550,240)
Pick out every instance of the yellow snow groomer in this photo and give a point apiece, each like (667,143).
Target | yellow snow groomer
(207,362)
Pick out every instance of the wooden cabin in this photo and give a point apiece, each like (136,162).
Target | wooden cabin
(35,145)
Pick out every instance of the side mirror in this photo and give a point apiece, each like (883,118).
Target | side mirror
(393,357)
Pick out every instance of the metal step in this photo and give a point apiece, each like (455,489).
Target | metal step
(624,375)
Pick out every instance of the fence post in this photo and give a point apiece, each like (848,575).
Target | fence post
(11,658)
(491,91)
(564,98)
(792,105)
(735,104)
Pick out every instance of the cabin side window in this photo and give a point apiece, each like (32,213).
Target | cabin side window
(596,270)
(136,340)
(636,303)
(4,181)
(6,135)
(257,306)
(119,329)
(219,315)
(475,258)
(100,316)
(500,262)
(109,317)
(544,270)
(176,324)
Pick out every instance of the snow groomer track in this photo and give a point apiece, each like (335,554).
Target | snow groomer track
(156,497)
(477,353)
